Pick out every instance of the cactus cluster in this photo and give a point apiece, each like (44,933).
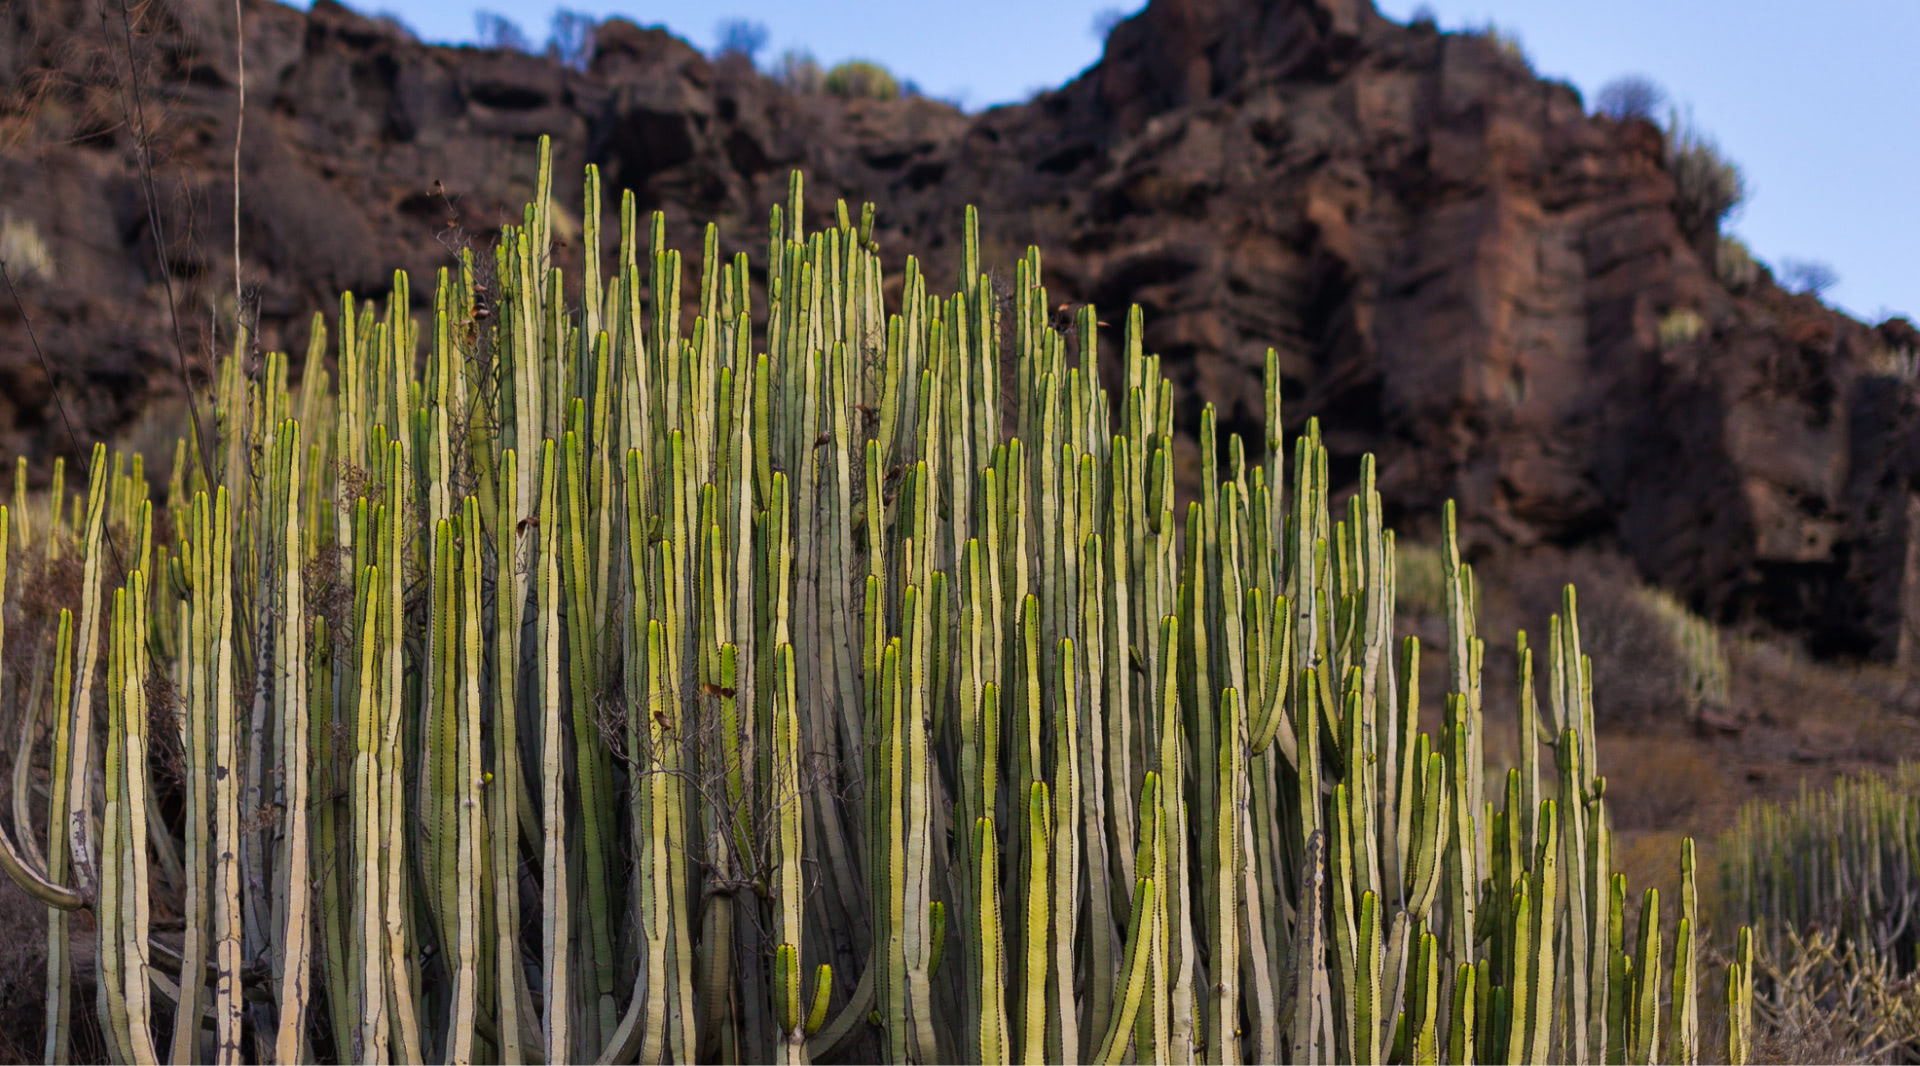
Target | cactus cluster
(801,675)
(1828,883)
(1842,860)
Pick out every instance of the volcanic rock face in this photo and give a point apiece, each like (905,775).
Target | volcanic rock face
(1460,270)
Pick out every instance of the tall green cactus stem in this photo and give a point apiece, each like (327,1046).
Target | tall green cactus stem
(1740,1002)
(1643,1022)
(58,1048)
(1033,1012)
(80,805)
(1223,1042)
(1685,1038)
(290,675)
(556,896)
(17,865)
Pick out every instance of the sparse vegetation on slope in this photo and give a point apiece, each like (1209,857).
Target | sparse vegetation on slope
(858,79)
(1707,185)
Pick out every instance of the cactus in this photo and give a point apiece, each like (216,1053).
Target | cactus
(1826,881)
(573,675)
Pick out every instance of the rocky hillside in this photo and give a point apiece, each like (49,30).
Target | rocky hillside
(1462,270)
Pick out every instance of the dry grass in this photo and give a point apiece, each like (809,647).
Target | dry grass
(1420,587)
(1866,711)
(23,976)
(1640,671)
(1666,783)
(1650,859)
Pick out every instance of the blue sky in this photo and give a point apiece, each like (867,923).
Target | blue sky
(1820,107)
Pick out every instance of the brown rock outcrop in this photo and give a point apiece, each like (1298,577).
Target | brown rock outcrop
(1461,270)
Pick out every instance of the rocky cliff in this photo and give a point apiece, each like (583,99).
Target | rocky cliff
(1462,270)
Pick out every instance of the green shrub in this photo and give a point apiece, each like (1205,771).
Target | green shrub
(1682,325)
(748,705)
(23,250)
(1507,44)
(1707,185)
(1734,264)
(1887,361)
(857,79)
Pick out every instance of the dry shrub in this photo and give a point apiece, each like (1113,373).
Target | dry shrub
(1867,713)
(23,976)
(1703,659)
(1650,859)
(1640,673)
(1631,96)
(1665,782)
(1822,1002)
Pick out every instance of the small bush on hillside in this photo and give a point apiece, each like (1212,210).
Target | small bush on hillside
(1703,662)
(740,37)
(491,29)
(1896,350)
(1631,96)
(23,250)
(570,38)
(1902,363)
(1807,276)
(858,79)
(1507,44)
(1679,326)
(1707,185)
(799,71)
(1640,671)
(1734,264)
